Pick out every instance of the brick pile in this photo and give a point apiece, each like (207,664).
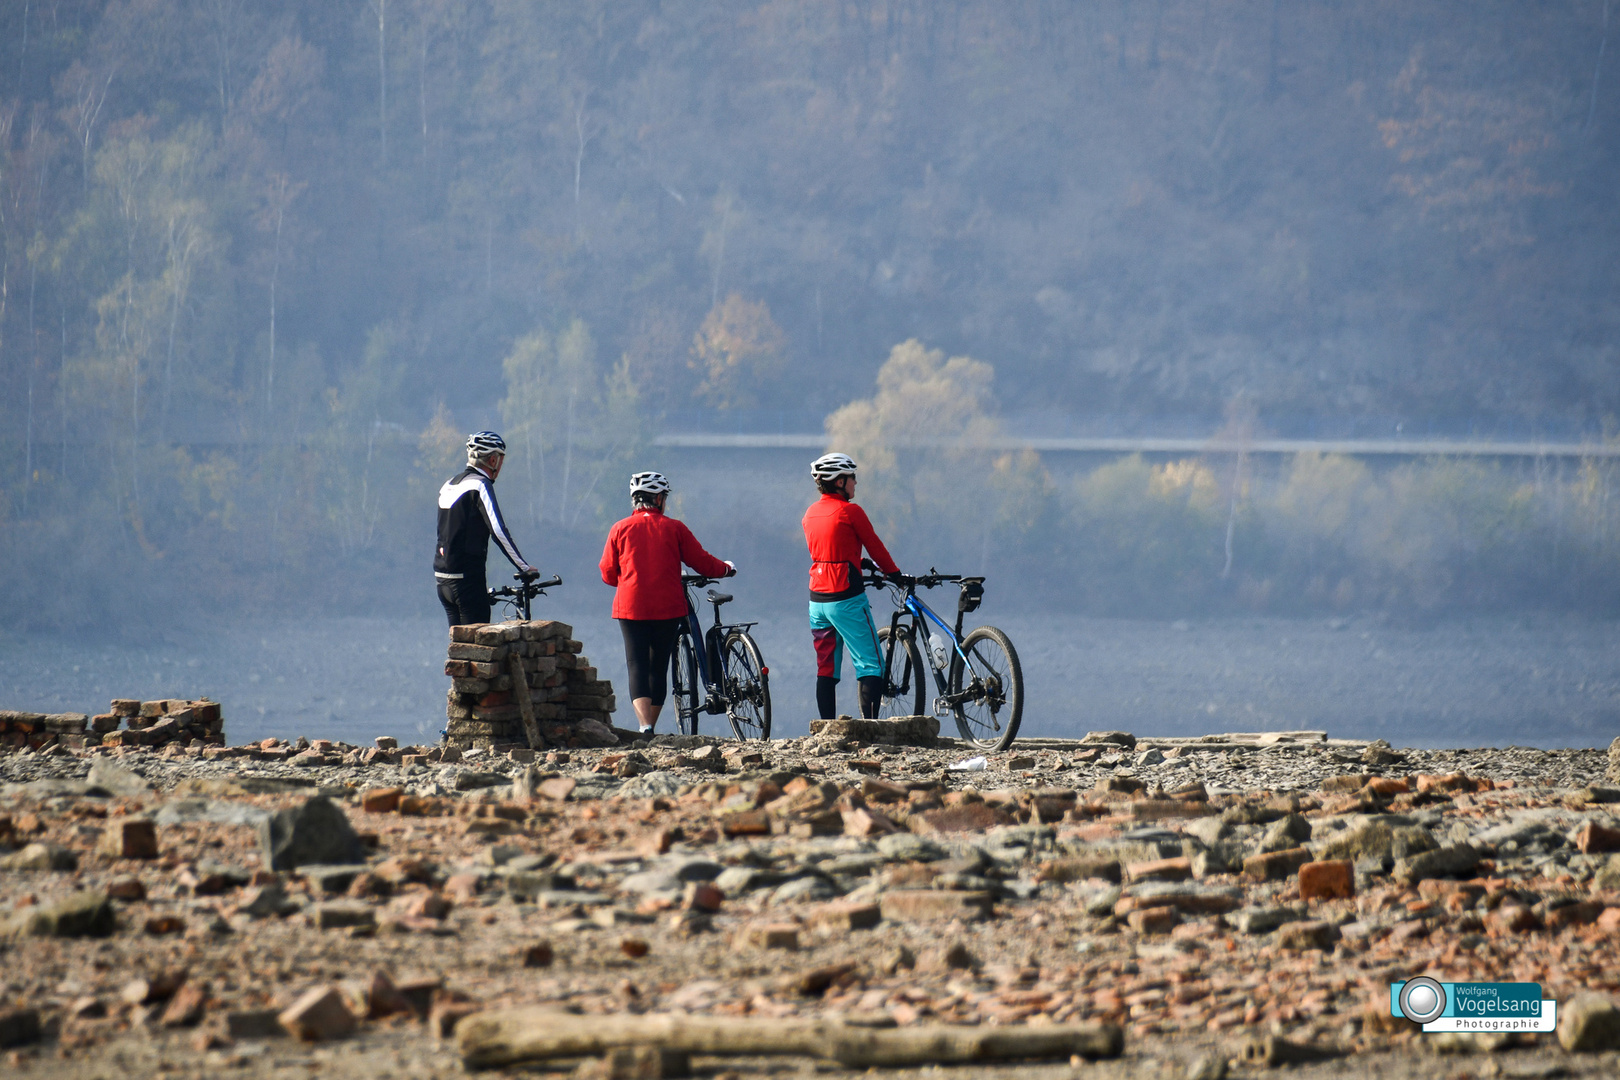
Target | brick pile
(160,723)
(34,731)
(149,723)
(572,707)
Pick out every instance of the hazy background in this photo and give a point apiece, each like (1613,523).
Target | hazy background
(264,266)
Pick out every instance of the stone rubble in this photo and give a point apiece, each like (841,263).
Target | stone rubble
(1231,908)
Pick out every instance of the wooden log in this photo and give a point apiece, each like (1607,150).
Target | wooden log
(501,1037)
(520,690)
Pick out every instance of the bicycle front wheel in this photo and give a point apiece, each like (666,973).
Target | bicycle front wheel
(988,691)
(903,676)
(684,686)
(748,688)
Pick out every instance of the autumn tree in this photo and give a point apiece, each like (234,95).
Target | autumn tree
(737,351)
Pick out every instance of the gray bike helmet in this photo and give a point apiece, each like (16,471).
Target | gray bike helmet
(830,467)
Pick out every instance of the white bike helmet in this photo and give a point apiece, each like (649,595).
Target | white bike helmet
(648,483)
(481,444)
(830,467)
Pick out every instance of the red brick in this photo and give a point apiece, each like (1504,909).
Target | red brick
(381,800)
(185,1008)
(925,905)
(769,936)
(1331,879)
(1595,839)
(702,896)
(130,838)
(1153,920)
(1178,869)
(319,1014)
(843,916)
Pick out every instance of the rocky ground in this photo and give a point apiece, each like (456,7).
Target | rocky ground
(1204,896)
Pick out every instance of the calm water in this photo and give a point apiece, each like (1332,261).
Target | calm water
(1542,682)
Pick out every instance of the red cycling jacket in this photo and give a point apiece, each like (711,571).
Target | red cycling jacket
(835,530)
(643,557)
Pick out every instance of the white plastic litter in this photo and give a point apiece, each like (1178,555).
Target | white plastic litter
(972,764)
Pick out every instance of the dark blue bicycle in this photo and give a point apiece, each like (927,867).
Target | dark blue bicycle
(719,671)
(977,676)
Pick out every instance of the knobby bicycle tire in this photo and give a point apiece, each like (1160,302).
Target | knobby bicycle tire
(990,719)
(904,685)
(684,686)
(747,687)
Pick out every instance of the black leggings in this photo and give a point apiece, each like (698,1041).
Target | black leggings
(465,600)
(648,645)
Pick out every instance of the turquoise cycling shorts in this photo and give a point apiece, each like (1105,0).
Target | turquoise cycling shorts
(845,624)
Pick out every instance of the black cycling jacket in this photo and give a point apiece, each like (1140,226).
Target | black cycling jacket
(468,516)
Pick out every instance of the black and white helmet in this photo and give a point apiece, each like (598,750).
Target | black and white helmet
(481,444)
(830,467)
(648,483)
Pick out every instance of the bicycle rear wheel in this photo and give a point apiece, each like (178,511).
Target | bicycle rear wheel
(684,686)
(989,717)
(903,686)
(747,687)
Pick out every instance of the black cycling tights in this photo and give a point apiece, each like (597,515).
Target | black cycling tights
(465,600)
(827,696)
(648,645)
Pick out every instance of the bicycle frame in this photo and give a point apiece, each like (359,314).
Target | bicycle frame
(707,646)
(918,611)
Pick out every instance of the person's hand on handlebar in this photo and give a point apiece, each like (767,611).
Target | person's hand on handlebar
(528,575)
(732,572)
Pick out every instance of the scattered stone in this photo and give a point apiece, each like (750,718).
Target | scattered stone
(114,779)
(340,915)
(84,914)
(1451,860)
(1308,934)
(19,1027)
(254,1024)
(40,856)
(317,831)
(770,936)
(1275,865)
(1588,1023)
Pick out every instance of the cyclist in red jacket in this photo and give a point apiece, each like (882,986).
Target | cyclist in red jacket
(835,530)
(643,558)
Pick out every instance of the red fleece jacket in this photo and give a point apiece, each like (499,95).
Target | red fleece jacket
(643,557)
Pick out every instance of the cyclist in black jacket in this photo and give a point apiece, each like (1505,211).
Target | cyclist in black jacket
(468,517)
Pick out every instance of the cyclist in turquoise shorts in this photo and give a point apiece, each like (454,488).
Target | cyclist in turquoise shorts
(835,530)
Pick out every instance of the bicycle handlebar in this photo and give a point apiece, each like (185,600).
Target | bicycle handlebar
(880,580)
(527,586)
(701,580)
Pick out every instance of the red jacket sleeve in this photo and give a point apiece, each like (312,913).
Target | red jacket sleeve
(869,540)
(610,558)
(693,555)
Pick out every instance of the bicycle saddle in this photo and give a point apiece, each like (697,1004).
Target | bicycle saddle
(718,598)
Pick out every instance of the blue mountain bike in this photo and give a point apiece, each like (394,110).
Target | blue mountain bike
(977,676)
